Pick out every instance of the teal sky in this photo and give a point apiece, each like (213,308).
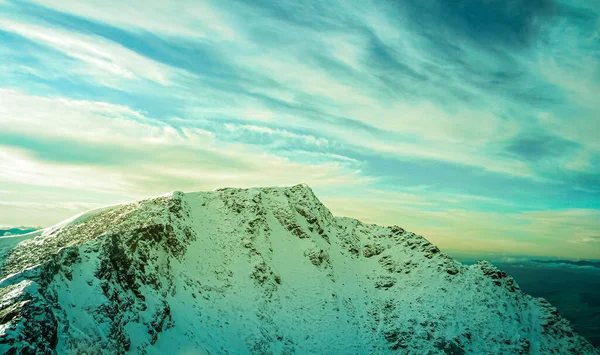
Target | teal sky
(474,123)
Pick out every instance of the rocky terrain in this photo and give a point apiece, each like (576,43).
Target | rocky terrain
(259,271)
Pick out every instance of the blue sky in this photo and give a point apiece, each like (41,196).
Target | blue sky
(474,123)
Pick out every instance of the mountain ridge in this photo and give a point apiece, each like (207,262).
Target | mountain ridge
(261,270)
(10,231)
(580,263)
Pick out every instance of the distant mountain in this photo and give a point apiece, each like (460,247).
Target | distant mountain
(595,264)
(17,230)
(259,271)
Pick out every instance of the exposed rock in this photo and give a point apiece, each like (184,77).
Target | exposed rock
(371,250)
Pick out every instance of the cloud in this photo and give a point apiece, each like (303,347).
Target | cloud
(513,23)
(19,213)
(352,73)
(587,240)
(532,147)
(194,18)
(276,137)
(310,80)
(102,59)
(18,167)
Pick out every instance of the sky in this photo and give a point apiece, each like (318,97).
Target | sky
(475,123)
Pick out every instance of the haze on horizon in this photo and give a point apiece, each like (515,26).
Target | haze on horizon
(473,123)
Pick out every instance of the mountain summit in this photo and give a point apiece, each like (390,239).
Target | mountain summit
(259,271)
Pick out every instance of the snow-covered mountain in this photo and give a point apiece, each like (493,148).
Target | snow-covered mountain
(259,271)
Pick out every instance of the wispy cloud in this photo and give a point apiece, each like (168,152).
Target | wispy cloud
(100,58)
(196,19)
(594,239)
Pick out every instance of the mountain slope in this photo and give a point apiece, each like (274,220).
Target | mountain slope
(259,271)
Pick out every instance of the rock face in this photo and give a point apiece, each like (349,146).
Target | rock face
(259,271)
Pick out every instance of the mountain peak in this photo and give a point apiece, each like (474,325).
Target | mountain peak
(259,270)
(298,189)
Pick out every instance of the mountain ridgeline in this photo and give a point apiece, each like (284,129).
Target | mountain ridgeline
(259,271)
(16,231)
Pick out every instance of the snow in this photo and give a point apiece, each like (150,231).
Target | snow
(264,270)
